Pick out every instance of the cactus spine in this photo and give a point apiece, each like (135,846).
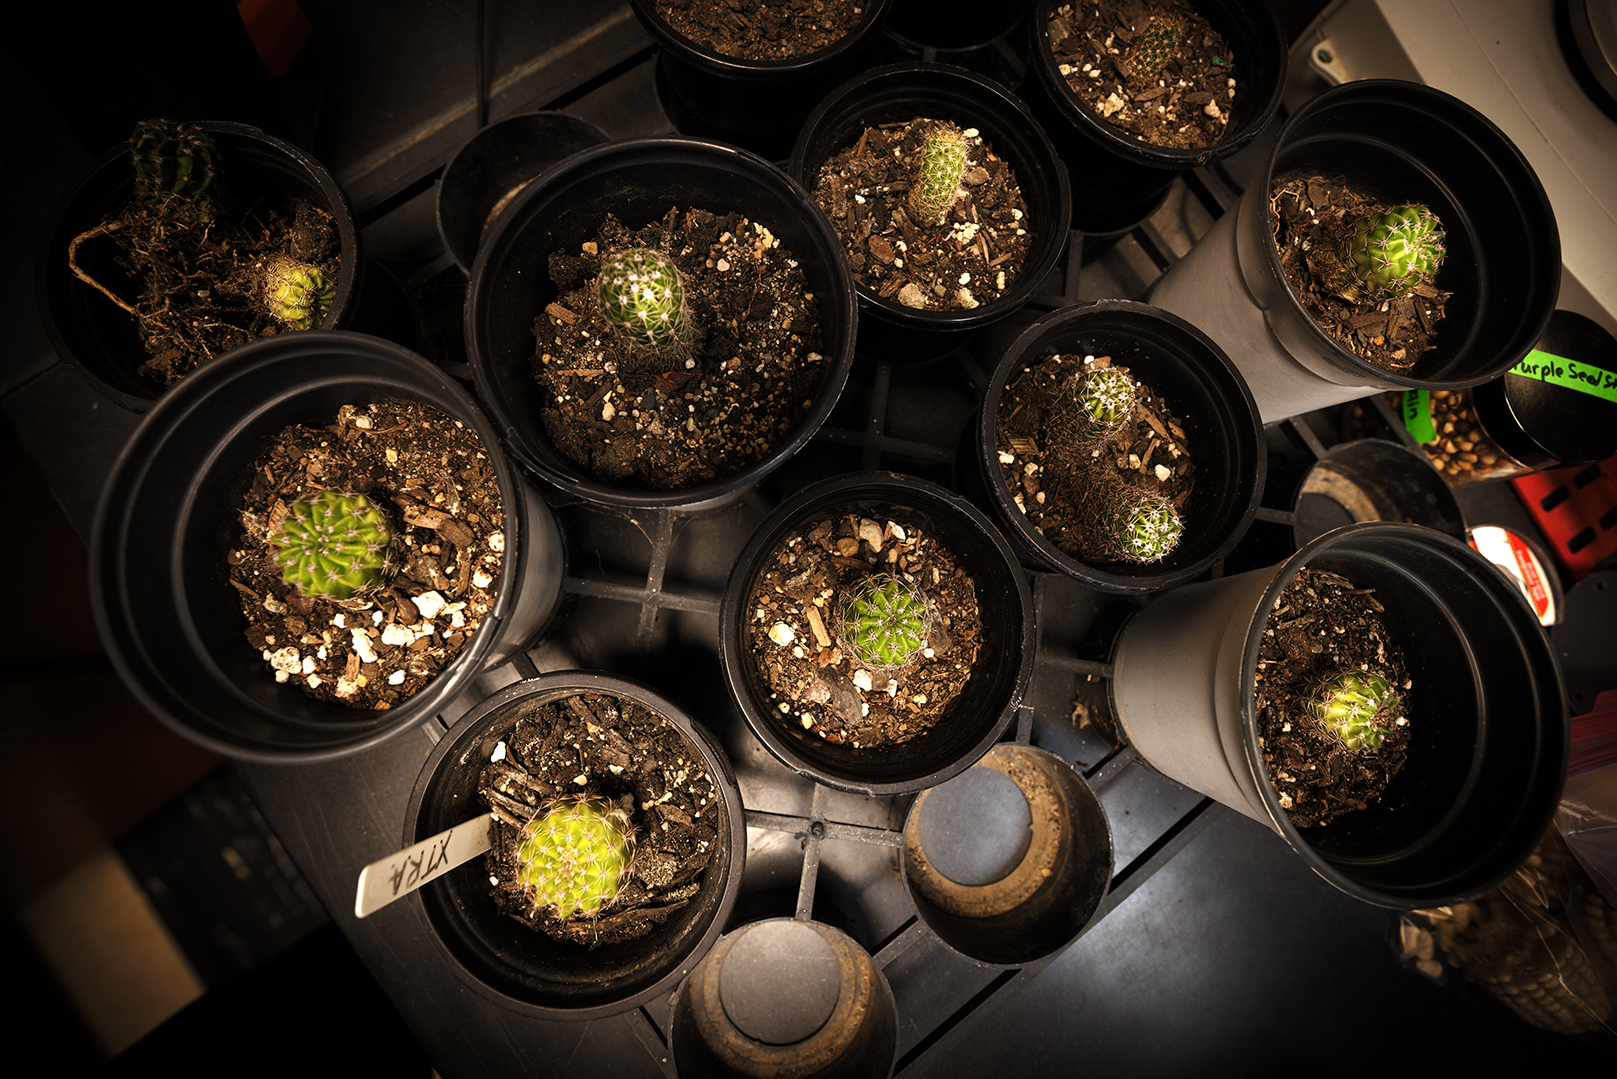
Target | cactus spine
(883,622)
(943,162)
(574,855)
(1093,405)
(1158,44)
(173,169)
(643,296)
(1355,708)
(1388,255)
(296,293)
(333,545)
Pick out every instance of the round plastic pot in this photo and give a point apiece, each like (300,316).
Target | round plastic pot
(974,720)
(899,93)
(986,38)
(1488,717)
(638,180)
(493,165)
(163,602)
(755,104)
(521,968)
(1370,480)
(102,342)
(1203,388)
(1118,180)
(1405,143)
(1047,895)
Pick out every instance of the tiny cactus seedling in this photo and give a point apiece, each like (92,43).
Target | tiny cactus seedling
(883,622)
(574,855)
(334,545)
(1388,255)
(1092,406)
(643,296)
(296,293)
(173,169)
(1355,708)
(943,162)
(1156,46)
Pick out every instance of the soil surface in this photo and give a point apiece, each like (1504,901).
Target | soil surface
(612,747)
(763,29)
(431,475)
(1322,624)
(793,635)
(1185,104)
(1313,214)
(635,417)
(1062,497)
(968,260)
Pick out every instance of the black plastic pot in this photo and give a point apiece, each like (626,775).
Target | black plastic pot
(518,967)
(1406,143)
(1367,480)
(987,38)
(1488,715)
(493,165)
(1118,180)
(755,104)
(902,92)
(975,719)
(172,623)
(99,340)
(638,180)
(1204,389)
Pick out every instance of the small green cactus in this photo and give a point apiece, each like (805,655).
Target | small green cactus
(943,162)
(575,855)
(1355,708)
(333,545)
(883,622)
(1093,405)
(1144,526)
(643,296)
(1158,44)
(296,293)
(1388,255)
(173,169)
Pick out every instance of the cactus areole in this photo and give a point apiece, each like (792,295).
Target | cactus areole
(643,297)
(334,545)
(574,855)
(883,621)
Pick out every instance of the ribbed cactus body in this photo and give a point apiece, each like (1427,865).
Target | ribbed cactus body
(642,295)
(174,168)
(1155,46)
(334,545)
(1388,255)
(296,293)
(574,855)
(943,162)
(1092,405)
(1145,526)
(883,621)
(1355,708)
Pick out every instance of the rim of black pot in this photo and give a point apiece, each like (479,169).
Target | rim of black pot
(162,601)
(969,99)
(98,340)
(1503,306)
(1186,367)
(1005,655)
(1250,26)
(735,67)
(521,968)
(1451,825)
(632,176)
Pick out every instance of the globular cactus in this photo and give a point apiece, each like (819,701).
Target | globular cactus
(643,296)
(174,169)
(1158,44)
(1142,524)
(882,622)
(333,545)
(296,293)
(1387,255)
(1355,708)
(943,162)
(574,855)
(1092,405)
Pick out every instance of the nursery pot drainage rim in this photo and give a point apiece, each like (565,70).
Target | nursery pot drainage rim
(1373,480)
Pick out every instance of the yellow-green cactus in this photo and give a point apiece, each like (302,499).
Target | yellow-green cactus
(173,169)
(334,545)
(882,621)
(1142,524)
(574,855)
(1355,708)
(1092,405)
(1158,44)
(1389,255)
(295,293)
(642,295)
(943,162)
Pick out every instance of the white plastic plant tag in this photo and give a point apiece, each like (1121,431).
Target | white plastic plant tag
(398,874)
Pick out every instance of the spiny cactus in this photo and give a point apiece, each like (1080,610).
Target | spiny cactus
(1355,708)
(643,296)
(943,161)
(1091,406)
(1144,526)
(1388,255)
(173,168)
(1158,44)
(296,293)
(575,855)
(333,545)
(883,621)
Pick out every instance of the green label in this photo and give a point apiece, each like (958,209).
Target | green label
(1568,374)
(1418,416)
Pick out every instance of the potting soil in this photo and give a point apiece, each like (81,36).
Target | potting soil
(763,29)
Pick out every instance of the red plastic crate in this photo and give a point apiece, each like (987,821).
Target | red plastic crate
(1576,509)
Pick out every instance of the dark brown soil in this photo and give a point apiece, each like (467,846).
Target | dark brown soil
(792,631)
(636,418)
(1320,625)
(763,29)
(612,747)
(1185,105)
(1312,215)
(1058,497)
(968,260)
(433,477)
